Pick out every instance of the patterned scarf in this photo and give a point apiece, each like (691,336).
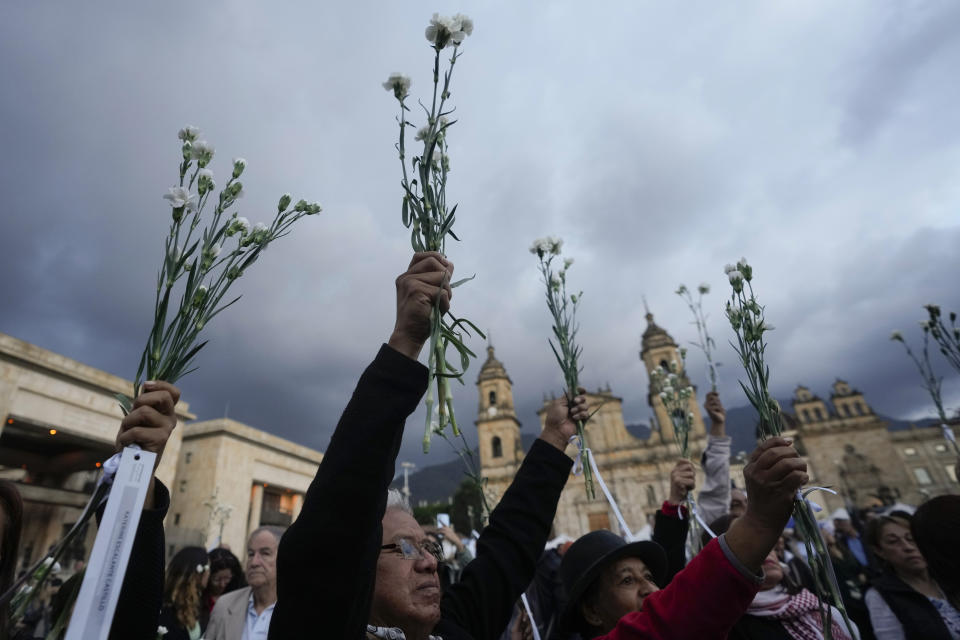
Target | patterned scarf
(799,614)
(390,633)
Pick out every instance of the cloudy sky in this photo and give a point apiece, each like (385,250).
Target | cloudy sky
(820,140)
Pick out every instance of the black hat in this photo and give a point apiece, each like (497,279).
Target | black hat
(591,554)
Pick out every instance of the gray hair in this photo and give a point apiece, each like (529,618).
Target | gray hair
(276,531)
(396,500)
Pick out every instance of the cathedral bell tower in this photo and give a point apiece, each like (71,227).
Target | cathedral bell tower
(658,350)
(497,425)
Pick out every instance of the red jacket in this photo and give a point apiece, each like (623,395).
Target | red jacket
(701,602)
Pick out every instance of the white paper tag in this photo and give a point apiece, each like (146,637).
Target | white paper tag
(97,600)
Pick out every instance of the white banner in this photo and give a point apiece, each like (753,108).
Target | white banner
(97,600)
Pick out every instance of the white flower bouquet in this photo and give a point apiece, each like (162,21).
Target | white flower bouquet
(563,310)
(746,316)
(425,211)
(201,260)
(704,342)
(948,341)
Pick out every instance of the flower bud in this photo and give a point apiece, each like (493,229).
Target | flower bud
(200,296)
(239,164)
(284,202)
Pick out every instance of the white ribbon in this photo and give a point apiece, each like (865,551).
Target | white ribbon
(578,469)
(692,506)
(948,433)
(813,505)
(533,625)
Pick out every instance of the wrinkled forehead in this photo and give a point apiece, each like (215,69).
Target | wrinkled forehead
(400,524)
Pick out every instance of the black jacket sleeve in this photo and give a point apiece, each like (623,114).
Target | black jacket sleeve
(671,534)
(326,563)
(138,608)
(508,548)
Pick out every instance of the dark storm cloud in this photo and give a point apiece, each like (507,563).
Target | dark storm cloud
(819,142)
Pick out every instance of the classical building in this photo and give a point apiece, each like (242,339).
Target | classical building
(847,447)
(636,471)
(232,478)
(60,421)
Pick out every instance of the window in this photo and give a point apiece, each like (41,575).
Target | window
(819,413)
(492,398)
(910,451)
(922,475)
(176,518)
(599,521)
(497,447)
(940,448)
(861,409)
(846,409)
(806,416)
(183,486)
(651,496)
(188,456)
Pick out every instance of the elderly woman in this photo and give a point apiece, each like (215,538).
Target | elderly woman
(905,602)
(614,587)
(354,566)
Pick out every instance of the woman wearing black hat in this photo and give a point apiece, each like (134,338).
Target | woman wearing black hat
(612,586)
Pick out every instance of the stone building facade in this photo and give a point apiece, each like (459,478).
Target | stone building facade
(636,471)
(846,445)
(232,478)
(59,422)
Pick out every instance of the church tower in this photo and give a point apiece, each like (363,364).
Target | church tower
(657,351)
(497,425)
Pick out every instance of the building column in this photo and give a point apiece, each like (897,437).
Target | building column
(297,505)
(256,506)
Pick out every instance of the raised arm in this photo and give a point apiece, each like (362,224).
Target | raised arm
(508,549)
(714,499)
(669,528)
(715,589)
(327,558)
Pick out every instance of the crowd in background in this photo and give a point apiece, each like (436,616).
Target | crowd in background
(356,564)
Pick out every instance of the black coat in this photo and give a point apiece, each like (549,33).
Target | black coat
(920,619)
(670,533)
(326,564)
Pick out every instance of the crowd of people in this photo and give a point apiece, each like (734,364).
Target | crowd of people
(356,564)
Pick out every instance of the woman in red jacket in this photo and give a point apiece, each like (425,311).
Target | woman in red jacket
(612,586)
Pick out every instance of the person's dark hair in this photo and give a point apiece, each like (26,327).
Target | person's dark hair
(220,559)
(936,530)
(181,591)
(719,526)
(11,520)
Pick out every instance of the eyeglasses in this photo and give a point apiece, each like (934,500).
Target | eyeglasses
(411,550)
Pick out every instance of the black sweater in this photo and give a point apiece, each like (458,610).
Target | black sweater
(327,558)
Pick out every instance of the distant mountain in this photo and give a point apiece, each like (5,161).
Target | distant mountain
(437,483)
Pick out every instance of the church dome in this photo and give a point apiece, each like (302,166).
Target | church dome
(655,336)
(492,369)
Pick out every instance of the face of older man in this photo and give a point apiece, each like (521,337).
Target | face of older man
(262,560)
(407,590)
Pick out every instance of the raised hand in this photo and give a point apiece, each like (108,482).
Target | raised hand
(427,277)
(561,419)
(682,481)
(773,475)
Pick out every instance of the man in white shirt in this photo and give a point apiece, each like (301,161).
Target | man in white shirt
(245,614)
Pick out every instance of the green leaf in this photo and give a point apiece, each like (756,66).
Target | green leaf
(126,403)
(456,284)
(405,212)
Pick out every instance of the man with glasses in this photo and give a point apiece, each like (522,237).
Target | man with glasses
(352,565)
